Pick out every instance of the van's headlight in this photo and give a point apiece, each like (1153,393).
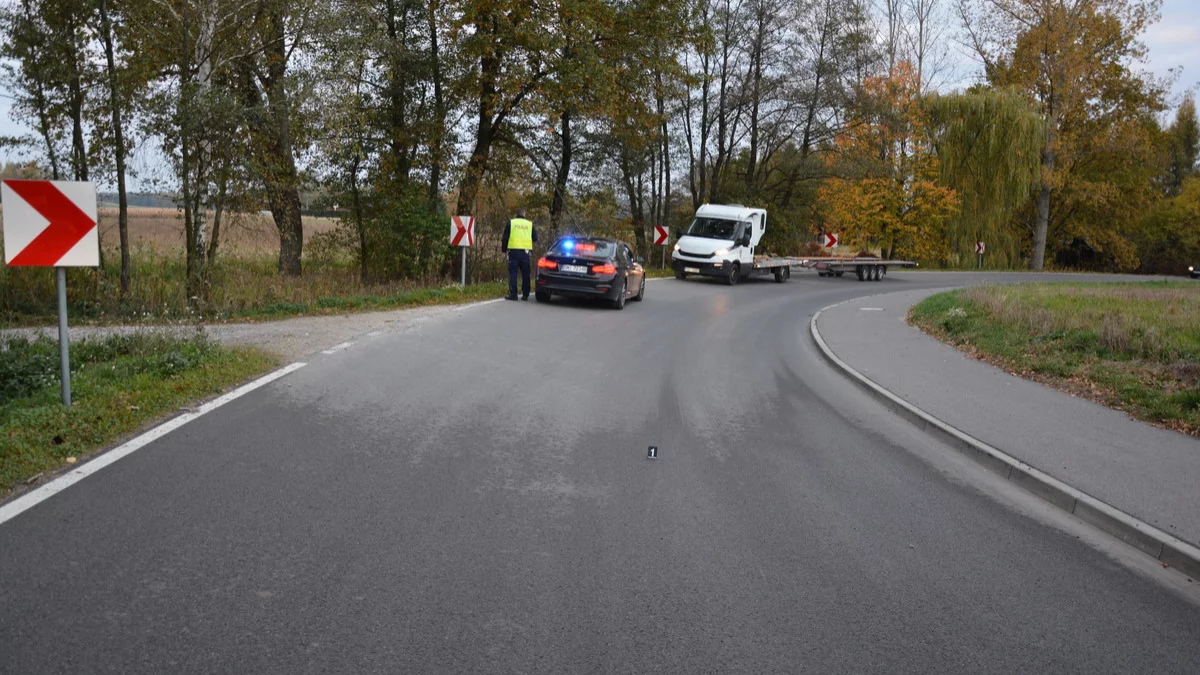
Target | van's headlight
(721,251)
(676,247)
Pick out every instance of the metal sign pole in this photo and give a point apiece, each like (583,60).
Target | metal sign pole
(464,266)
(64,347)
(980,261)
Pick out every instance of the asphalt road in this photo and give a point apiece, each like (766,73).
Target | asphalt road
(473,496)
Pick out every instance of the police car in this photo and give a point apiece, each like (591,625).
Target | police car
(591,267)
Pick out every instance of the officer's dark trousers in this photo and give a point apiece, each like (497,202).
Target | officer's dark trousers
(518,260)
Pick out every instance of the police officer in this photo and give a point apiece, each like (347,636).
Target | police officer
(517,242)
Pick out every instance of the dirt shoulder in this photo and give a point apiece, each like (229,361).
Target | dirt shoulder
(287,339)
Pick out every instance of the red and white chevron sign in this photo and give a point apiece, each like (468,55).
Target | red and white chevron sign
(661,235)
(50,224)
(980,247)
(831,241)
(462,231)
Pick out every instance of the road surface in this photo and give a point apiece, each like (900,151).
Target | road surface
(473,495)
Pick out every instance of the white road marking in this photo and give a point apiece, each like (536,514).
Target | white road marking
(870,309)
(25,502)
(337,348)
(374,333)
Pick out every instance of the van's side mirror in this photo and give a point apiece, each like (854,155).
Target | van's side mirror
(746,239)
(678,232)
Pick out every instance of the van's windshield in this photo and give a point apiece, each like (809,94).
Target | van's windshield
(714,228)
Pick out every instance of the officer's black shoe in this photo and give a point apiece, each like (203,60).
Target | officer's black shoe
(510,297)
(525,298)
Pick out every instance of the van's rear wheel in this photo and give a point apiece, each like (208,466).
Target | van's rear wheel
(780,275)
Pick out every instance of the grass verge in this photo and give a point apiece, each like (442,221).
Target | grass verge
(1131,346)
(417,297)
(119,384)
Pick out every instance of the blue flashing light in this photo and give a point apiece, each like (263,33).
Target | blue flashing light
(568,244)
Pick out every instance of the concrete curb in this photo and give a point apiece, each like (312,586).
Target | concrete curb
(1142,536)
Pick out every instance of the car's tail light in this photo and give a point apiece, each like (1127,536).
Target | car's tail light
(606,268)
(544,264)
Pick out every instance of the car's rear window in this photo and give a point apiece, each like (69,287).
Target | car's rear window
(584,248)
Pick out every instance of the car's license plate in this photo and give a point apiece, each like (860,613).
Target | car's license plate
(577,269)
(693,270)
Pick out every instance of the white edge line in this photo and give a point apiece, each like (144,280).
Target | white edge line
(27,501)
(337,348)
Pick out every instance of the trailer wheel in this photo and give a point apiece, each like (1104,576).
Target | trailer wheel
(878,273)
(838,274)
(780,275)
(858,269)
(734,276)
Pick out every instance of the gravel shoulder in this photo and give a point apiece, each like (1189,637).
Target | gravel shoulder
(288,339)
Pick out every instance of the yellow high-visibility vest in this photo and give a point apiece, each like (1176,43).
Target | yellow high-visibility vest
(520,234)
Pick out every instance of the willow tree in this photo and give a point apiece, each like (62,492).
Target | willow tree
(989,144)
(1075,60)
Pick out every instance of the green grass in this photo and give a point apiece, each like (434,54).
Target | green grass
(417,297)
(119,384)
(241,288)
(1132,346)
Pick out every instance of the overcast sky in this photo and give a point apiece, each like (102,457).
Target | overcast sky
(1173,43)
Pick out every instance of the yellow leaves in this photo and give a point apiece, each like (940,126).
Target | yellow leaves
(898,204)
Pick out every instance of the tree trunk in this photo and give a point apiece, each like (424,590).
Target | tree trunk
(196,160)
(359,227)
(397,93)
(489,71)
(564,173)
(1042,224)
(436,151)
(119,145)
(281,177)
(75,105)
(218,211)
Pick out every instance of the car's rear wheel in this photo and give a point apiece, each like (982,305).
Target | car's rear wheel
(735,275)
(619,301)
(541,296)
(641,291)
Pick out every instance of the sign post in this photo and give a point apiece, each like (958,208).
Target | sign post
(462,235)
(661,237)
(980,247)
(64,341)
(52,224)
(831,240)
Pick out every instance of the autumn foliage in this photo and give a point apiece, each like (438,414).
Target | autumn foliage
(885,195)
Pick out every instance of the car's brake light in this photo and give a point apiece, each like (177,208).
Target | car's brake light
(606,268)
(544,264)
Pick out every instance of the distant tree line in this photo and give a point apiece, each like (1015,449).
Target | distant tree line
(618,116)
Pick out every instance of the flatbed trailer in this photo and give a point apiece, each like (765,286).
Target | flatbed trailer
(866,269)
(780,268)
